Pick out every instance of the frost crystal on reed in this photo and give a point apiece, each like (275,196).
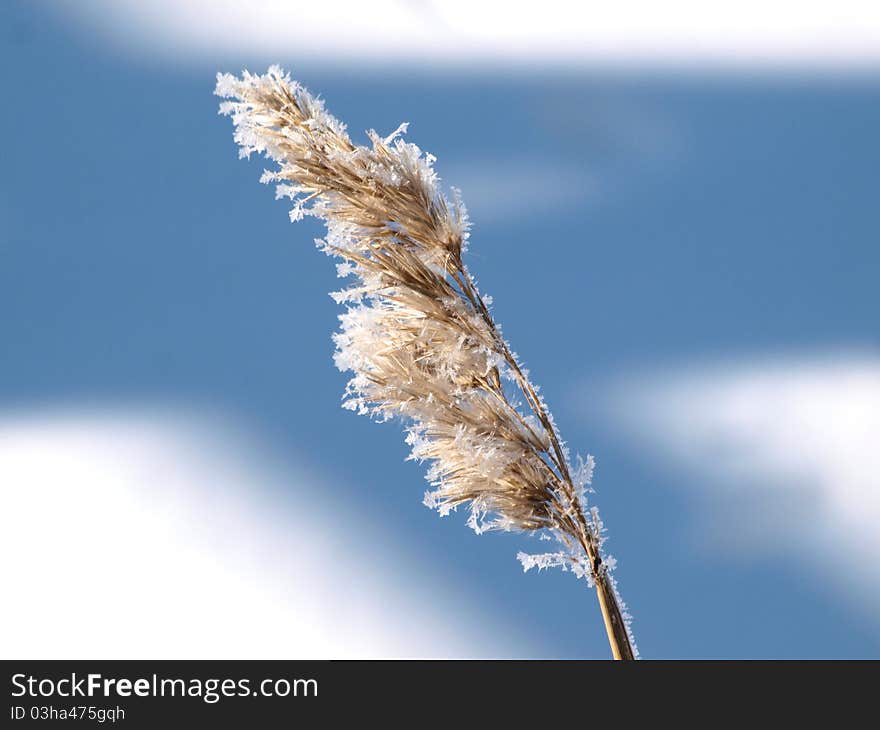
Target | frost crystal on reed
(417,335)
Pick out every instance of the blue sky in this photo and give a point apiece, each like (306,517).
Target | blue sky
(636,230)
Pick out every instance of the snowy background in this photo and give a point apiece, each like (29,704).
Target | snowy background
(675,214)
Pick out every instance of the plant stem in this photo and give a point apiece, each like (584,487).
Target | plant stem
(617,636)
(615,627)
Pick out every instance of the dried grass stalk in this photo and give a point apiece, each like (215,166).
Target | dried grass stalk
(419,337)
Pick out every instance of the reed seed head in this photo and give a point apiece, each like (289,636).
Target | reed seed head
(417,335)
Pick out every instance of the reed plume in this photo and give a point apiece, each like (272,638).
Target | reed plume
(419,337)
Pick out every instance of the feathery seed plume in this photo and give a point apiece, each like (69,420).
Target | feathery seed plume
(419,337)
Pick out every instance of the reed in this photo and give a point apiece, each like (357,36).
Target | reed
(419,338)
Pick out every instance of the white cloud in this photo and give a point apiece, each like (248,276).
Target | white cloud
(782,454)
(465,31)
(130,534)
(507,191)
